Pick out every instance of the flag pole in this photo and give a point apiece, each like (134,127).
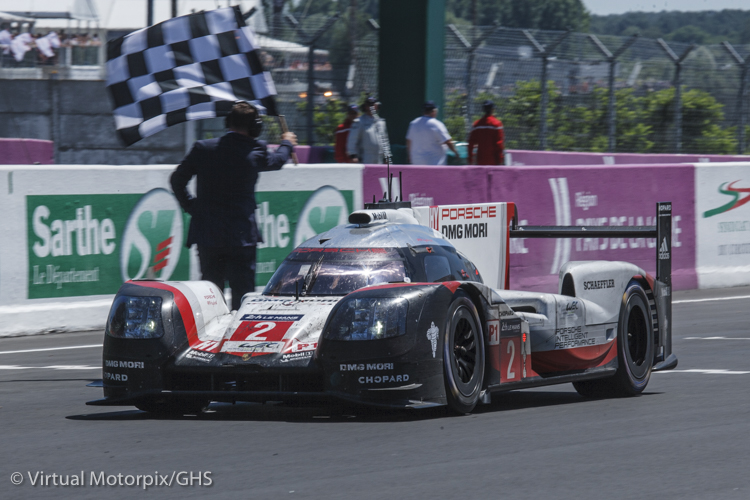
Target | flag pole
(284,128)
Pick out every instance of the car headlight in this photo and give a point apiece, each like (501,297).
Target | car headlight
(368,319)
(135,318)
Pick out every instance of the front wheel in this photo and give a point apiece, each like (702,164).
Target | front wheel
(463,356)
(635,350)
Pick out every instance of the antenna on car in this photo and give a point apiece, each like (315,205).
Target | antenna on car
(387,201)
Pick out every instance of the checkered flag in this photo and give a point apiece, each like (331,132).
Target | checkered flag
(186,68)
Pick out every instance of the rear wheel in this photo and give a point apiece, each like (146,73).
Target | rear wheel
(635,350)
(463,355)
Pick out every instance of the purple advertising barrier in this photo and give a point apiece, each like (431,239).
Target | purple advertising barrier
(591,196)
(428,185)
(303,152)
(516,157)
(26,152)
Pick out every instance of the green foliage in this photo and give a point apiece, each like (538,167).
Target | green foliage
(643,124)
(271,129)
(533,14)
(454,116)
(326,117)
(688,27)
(521,113)
(689,34)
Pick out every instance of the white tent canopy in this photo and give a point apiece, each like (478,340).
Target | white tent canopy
(7,17)
(268,43)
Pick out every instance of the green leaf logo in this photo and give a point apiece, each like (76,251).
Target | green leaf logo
(326,208)
(152,238)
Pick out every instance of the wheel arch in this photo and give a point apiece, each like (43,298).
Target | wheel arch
(647,283)
(482,305)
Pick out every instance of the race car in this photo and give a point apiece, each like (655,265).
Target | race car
(402,307)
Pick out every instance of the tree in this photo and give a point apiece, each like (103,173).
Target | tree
(326,117)
(521,114)
(644,124)
(688,34)
(532,14)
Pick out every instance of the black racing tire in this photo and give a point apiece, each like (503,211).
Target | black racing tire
(463,355)
(635,350)
(173,407)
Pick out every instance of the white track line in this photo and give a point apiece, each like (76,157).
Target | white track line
(707,372)
(53,367)
(690,301)
(52,349)
(717,338)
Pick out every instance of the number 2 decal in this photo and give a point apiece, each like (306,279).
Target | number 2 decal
(261,328)
(512,351)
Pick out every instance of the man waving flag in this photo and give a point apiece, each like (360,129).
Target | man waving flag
(186,68)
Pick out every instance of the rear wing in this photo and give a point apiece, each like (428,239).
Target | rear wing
(482,232)
(662,284)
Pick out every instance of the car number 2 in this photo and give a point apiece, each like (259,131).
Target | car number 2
(261,331)
(512,352)
(510,360)
(261,328)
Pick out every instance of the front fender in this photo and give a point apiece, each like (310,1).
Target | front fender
(400,371)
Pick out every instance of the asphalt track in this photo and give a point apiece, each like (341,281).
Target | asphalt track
(687,437)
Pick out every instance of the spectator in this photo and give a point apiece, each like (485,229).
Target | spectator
(342,135)
(20,45)
(5,41)
(365,142)
(427,138)
(44,48)
(223,212)
(488,137)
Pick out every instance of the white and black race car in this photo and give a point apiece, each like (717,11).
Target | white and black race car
(388,311)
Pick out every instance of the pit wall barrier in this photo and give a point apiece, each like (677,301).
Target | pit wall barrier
(71,235)
(710,206)
(26,152)
(519,157)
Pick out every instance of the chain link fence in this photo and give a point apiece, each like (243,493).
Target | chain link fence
(508,69)
(506,66)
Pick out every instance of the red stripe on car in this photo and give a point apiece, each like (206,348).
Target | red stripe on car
(183,305)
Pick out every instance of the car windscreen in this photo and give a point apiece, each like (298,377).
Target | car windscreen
(335,271)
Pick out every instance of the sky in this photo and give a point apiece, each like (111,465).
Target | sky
(118,14)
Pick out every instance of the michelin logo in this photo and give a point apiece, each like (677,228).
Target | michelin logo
(432,335)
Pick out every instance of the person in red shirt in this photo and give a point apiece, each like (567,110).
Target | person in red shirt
(342,135)
(488,137)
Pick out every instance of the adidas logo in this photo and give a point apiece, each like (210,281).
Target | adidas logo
(664,250)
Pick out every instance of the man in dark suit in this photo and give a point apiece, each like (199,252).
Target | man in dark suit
(223,210)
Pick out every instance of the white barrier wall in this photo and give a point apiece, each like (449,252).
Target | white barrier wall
(722,221)
(71,235)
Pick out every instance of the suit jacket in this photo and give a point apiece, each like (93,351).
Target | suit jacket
(223,210)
